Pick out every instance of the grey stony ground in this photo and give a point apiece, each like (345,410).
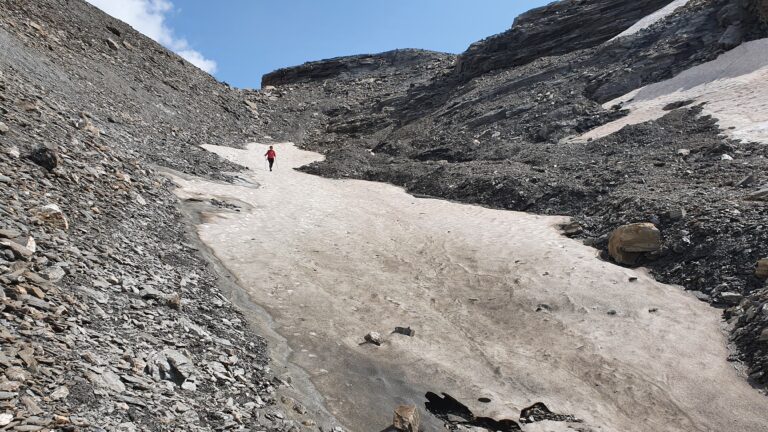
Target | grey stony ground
(116,321)
(111,318)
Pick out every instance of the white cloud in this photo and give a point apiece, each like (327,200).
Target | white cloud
(148,17)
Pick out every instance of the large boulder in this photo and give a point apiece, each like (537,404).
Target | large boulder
(406,418)
(629,243)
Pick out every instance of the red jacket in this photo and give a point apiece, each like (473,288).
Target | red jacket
(270,154)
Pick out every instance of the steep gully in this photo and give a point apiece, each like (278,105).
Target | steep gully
(506,311)
(497,139)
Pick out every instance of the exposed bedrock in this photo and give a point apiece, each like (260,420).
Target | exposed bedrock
(351,66)
(554,29)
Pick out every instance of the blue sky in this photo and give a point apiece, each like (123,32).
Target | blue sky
(240,40)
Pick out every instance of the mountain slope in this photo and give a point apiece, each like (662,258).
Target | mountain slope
(499,133)
(114,318)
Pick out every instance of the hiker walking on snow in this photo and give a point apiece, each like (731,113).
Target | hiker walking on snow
(271,155)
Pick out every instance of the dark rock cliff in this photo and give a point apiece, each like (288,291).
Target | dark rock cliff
(351,66)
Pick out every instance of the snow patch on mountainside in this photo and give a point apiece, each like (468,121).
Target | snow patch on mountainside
(653,18)
(733,88)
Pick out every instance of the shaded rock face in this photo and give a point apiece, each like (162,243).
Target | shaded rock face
(351,65)
(555,29)
(551,97)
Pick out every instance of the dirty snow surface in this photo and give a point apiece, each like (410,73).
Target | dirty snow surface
(733,88)
(503,307)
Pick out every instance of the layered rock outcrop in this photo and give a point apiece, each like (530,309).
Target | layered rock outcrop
(555,29)
(396,60)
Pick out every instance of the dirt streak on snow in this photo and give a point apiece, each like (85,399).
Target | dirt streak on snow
(734,88)
(503,306)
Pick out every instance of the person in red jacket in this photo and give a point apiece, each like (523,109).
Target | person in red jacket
(271,156)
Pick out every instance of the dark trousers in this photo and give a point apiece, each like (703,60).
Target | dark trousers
(271,162)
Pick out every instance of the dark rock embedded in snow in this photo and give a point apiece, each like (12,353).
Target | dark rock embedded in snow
(373,338)
(406,331)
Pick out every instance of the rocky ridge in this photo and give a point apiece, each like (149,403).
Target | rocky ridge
(384,64)
(555,29)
